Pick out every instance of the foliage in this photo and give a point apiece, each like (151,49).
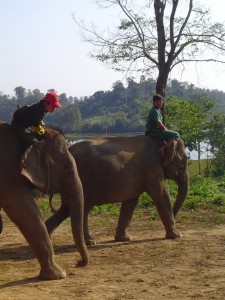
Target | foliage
(67,118)
(206,192)
(194,170)
(190,118)
(119,110)
(217,141)
(44,206)
(197,124)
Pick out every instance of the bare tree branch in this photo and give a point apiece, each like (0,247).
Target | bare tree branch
(154,37)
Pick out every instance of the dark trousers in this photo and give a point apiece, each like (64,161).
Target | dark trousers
(25,135)
(164,135)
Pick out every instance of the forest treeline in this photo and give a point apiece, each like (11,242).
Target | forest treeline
(118,110)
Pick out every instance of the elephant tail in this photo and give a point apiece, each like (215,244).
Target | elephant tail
(1,223)
(53,210)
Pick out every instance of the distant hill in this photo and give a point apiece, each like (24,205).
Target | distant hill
(117,110)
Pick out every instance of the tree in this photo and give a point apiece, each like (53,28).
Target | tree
(63,100)
(155,36)
(20,93)
(217,142)
(71,119)
(191,120)
(37,94)
(106,120)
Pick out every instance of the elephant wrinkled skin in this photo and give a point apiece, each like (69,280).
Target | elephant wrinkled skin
(51,169)
(120,169)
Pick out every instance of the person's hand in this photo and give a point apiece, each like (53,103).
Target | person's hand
(48,134)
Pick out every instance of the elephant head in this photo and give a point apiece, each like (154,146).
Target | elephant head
(52,169)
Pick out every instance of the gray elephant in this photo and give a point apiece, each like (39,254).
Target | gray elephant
(120,169)
(50,168)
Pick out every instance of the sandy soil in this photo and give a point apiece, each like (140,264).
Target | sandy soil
(149,267)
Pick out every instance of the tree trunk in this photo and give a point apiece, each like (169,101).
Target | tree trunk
(199,159)
(160,89)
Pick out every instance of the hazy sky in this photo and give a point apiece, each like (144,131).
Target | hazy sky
(41,47)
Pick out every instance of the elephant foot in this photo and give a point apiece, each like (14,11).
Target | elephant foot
(89,241)
(52,273)
(173,235)
(122,238)
(81,263)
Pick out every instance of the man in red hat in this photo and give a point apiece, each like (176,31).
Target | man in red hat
(28,123)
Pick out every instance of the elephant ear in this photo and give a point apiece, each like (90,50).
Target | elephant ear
(33,164)
(170,152)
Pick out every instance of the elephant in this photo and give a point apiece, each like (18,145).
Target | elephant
(120,169)
(49,167)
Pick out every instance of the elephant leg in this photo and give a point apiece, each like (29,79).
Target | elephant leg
(126,213)
(89,240)
(24,212)
(161,198)
(57,218)
(61,214)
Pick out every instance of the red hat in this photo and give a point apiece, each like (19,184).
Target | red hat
(52,98)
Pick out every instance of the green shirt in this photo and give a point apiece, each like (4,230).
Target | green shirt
(154,116)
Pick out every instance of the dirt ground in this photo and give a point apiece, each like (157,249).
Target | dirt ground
(149,267)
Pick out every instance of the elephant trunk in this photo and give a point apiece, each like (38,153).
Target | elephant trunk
(183,185)
(73,195)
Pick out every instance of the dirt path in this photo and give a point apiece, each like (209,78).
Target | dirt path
(149,267)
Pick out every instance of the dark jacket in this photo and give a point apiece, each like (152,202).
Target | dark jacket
(30,115)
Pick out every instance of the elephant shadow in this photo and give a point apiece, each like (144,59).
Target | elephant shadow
(19,253)
(103,245)
(22,253)
(20,282)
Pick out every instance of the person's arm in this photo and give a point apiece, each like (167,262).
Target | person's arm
(161,126)
(38,129)
(42,131)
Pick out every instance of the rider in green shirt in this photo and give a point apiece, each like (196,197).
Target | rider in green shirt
(154,126)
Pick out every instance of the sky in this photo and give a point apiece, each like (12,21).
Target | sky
(41,48)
